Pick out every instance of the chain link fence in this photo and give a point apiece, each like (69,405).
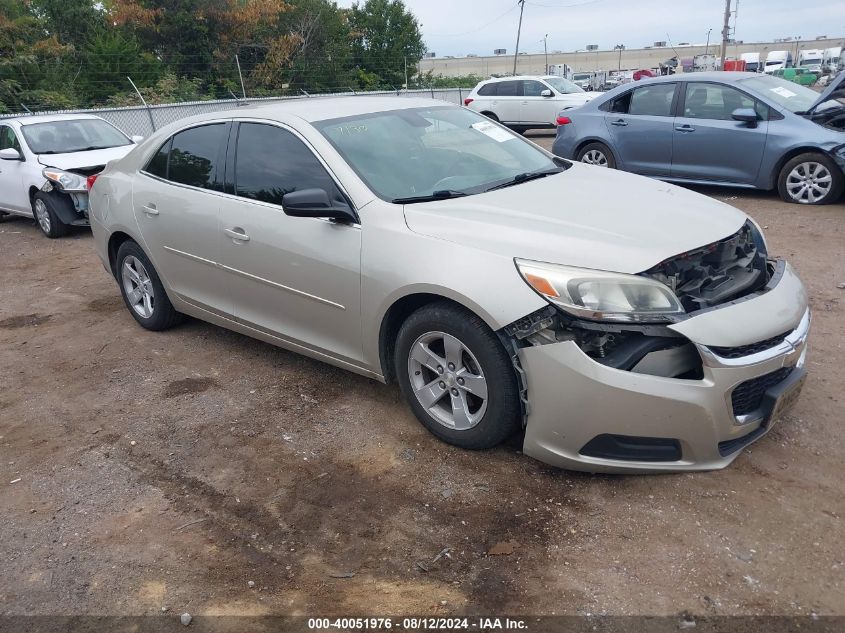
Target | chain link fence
(142,121)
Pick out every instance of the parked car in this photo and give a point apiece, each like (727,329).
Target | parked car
(524,103)
(801,75)
(45,162)
(583,80)
(623,324)
(723,128)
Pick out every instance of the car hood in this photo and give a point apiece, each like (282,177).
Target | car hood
(80,160)
(590,217)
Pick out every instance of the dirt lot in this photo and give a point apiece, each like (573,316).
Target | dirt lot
(142,470)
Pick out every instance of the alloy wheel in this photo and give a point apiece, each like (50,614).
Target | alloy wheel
(447,380)
(138,287)
(595,157)
(42,215)
(809,182)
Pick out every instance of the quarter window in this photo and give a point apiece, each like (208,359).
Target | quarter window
(271,162)
(488,90)
(158,163)
(713,101)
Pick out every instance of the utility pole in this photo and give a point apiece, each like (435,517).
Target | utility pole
(726,33)
(620,48)
(546,51)
(406,73)
(707,47)
(521,4)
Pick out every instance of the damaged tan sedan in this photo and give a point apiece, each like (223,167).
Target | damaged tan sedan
(619,323)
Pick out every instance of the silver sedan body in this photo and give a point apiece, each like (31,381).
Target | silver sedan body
(339,291)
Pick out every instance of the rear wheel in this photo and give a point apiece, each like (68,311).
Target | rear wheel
(490,116)
(142,290)
(597,154)
(46,212)
(457,377)
(810,178)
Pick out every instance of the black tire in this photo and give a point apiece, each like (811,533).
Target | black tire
(503,414)
(52,225)
(490,116)
(597,147)
(164,316)
(837,181)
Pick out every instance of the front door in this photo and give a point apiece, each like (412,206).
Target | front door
(177,201)
(298,279)
(13,193)
(640,123)
(535,108)
(508,101)
(709,145)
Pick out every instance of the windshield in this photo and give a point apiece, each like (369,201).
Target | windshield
(419,151)
(785,93)
(580,76)
(62,137)
(563,86)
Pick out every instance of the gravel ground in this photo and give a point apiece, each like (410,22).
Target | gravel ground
(202,471)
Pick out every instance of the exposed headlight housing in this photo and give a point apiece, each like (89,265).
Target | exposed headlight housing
(601,295)
(65,180)
(758,237)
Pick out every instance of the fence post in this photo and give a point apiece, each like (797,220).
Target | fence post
(460,96)
(432,91)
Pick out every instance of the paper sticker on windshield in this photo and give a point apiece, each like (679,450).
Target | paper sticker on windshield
(783,92)
(493,131)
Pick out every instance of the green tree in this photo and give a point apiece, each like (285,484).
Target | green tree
(109,58)
(72,22)
(386,37)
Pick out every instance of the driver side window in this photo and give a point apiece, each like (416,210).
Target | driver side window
(8,139)
(532,88)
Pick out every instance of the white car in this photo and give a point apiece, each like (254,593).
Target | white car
(45,163)
(525,103)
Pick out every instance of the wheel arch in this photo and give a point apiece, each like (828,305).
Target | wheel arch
(399,311)
(593,139)
(773,176)
(116,239)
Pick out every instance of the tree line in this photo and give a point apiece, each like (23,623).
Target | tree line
(57,54)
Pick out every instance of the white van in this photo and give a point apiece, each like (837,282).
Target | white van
(776,60)
(752,62)
(830,59)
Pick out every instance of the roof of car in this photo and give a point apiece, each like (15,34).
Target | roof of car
(31,119)
(724,76)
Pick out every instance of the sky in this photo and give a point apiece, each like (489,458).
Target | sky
(460,27)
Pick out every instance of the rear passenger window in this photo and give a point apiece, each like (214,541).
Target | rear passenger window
(654,100)
(194,156)
(271,162)
(488,90)
(508,89)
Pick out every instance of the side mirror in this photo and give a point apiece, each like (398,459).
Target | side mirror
(315,203)
(746,115)
(546,93)
(137,139)
(10,153)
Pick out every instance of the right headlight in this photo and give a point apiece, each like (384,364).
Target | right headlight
(601,295)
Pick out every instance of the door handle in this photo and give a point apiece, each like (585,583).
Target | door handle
(150,209)
(237,234)
(619,122)
(685,128)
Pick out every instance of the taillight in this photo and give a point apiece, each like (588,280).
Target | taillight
(468,100)
(563,120)
(91,180)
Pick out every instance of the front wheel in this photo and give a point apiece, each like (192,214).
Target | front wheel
(457,377)
(597,154)
(810,179)
(142,290)
(45,208)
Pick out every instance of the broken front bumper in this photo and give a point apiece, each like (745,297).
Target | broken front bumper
(584,415)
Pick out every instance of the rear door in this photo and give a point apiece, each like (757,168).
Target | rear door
(298,279)
(708,144)
(13,193)
(176,198)
(641,123)
(508,101)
